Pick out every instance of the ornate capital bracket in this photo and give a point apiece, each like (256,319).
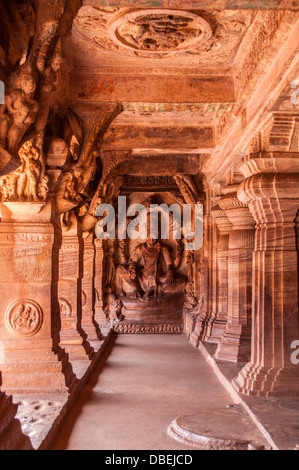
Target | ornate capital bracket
(272,197)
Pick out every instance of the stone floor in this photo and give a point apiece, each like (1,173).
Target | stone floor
(141,385)
(278,418)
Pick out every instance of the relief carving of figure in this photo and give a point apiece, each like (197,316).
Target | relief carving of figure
(113,309)
(191,304)
(20,111)
(145,277)
(26,183)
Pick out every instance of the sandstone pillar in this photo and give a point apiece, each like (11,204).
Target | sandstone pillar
(217,322)
(207,268)
(100,316)
(235,344)
(72,338)
(30,358)
(89,326)
(273,199)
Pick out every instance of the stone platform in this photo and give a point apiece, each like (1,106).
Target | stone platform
(160,316)
(226,428)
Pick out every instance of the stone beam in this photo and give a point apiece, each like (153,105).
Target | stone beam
(157,89)
(143,165)
(132,137)
(203,4)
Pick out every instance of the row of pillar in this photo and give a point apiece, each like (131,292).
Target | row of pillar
(51,300)
(252,309)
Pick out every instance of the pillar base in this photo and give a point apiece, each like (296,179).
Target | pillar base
(267,382)
(235,344)
(11,436)
(189,324)
(93,333)
(213,330)
(37,373)
(76,347)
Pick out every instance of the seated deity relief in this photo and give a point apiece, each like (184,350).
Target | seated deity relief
(150,272)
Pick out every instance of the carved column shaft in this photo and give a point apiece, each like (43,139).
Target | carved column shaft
(31,361)
(100,316)
(88,292)
(207,300)
(72,338)
(216,323)
(274,202)
(235,343)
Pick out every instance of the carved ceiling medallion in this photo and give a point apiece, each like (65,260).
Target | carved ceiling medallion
(160,31)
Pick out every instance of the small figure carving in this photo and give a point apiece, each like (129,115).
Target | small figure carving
(24,184)
(21,107)
(110,267)
(191,302)
(65,308)
(122,253)
(190,264)
(113,309)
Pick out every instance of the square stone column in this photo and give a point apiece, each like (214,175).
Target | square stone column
(89,325)
(273,199)
(30,358)
(216,323)
(100,316)
(71,297)
(235,344)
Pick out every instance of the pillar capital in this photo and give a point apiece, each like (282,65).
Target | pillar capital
(223,224)
(269,162)
(235,209)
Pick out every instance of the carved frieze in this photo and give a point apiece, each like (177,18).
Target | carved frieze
(141,328)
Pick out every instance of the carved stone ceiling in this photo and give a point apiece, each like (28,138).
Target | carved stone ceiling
(183,76)
(122,37)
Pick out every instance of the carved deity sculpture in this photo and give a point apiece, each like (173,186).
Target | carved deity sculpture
(145,277)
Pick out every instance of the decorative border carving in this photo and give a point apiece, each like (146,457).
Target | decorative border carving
(148,328)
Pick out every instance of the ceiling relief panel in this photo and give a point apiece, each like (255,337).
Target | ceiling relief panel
(202,38)
(156,31)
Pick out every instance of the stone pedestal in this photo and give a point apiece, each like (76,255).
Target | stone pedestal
(70,294)
(235,344)
(274,202)
(11,435)
(30,358)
